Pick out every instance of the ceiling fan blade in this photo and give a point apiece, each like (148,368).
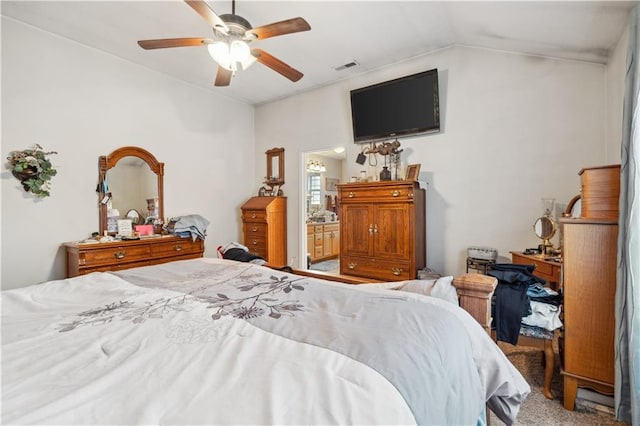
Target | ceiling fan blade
(173,42)
(223,77)
(209,15)
(276,64)
(293,25)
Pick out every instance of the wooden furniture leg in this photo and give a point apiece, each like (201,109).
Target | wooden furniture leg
(549,364)
(570,392)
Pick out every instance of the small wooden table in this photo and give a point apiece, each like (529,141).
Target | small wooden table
(546,269)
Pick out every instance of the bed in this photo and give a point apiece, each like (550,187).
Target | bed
(214,341)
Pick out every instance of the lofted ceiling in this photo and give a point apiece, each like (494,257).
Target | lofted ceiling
(372,33)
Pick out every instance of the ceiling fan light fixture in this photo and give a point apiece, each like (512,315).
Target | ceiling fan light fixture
(248,61)
(220,53)
(239,50)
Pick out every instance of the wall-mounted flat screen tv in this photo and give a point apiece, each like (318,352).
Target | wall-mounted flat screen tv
(401,107)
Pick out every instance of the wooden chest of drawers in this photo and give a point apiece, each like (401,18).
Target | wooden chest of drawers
(84,258)
(590,265)
(264,225)
(382,230)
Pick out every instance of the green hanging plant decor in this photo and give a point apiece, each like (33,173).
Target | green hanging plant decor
(33,169)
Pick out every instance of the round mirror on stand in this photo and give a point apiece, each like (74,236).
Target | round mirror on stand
(545,228)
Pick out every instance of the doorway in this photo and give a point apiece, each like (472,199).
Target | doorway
(323,171)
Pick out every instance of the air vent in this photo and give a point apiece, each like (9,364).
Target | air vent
(347,65)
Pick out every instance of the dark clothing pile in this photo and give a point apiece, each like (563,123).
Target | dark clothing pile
(517,286)
(236,251)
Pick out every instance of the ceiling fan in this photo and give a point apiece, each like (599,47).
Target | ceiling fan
(233,34)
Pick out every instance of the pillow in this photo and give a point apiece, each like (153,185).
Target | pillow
(441,288)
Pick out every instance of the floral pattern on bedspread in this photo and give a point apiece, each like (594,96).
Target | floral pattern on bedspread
(250,296)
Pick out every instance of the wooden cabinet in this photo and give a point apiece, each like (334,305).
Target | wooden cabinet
(264,225)
(84,258)
(382,229)
(590,250)
(546,269)
(323,241)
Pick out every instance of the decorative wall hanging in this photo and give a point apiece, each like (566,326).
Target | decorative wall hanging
(33,169)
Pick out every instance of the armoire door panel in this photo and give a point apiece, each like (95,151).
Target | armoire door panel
(391,231)
(356,240)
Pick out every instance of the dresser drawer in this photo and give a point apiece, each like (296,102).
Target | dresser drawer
(400,193)
(176,248)
(255,242)
(114,255)
(255,229)
(331,227)
(386,270)
(254,216)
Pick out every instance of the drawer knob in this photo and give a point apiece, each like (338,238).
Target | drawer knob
(120,254)
(351,194)
(254,229)
(254,242)
(351,265)
(395,193)
(396,271)
(253,215)
(371,229)
(177,247)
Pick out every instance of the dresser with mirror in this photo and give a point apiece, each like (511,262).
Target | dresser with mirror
(131,183)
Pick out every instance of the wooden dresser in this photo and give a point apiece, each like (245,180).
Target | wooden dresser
(264,225)
(84,258)
(323,241)
(546,269)
(590,251)
(382,229)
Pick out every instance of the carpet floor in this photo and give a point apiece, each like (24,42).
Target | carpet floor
(538,410)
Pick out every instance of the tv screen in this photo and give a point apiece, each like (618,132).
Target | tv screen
(401,107)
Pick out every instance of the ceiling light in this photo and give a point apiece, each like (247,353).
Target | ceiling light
(339,150)
(219,51)
(239,50)
(228,54)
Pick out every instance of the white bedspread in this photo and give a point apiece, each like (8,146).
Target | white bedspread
(100,350)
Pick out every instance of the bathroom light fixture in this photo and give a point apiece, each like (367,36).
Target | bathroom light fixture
(316,166)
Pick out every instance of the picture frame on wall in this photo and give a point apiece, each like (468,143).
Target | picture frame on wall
(413,170)
(331,184)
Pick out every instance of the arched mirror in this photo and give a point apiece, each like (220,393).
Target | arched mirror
(128,177)
(545,228)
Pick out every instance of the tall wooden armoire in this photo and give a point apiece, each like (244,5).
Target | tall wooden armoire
(382,229)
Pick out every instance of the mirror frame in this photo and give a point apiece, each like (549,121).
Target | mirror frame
(273,154)
(109,161)
(554,227)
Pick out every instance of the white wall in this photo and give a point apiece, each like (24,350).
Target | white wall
(84,103)
(616,69)
(515,129)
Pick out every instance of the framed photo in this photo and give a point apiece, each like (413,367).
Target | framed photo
(413,170)
(331,184)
